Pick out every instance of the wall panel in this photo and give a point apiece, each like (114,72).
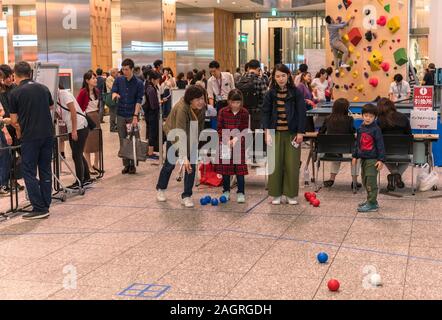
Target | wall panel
(224,39)
(101,38)
(383,40)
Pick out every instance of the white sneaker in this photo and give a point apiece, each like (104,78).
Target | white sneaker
(292,201)
(241,198)
(345,66)
(276,200)
(187,202)
(161,196)
(227,195)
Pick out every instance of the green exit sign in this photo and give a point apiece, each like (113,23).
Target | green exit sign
(274,12)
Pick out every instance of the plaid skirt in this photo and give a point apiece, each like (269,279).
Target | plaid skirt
(228,168)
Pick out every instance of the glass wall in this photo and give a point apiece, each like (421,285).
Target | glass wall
(419,32)
(280,39)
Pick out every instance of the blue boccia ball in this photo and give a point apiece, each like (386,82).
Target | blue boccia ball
(208,199)
(203,201)
(223,199)
(322,257)
(214,202)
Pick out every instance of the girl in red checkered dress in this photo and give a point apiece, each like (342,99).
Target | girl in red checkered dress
(234,116)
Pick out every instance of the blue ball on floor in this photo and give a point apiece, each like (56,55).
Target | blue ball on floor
(214,202)
(223,199)
(322,257)
(208,199)
(203,201)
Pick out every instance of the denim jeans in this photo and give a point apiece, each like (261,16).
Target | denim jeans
(239,179)
(166,172)
(37,154)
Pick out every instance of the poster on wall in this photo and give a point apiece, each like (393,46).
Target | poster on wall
(370,46)
(423,97)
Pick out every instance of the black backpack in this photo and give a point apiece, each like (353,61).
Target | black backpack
(247,88)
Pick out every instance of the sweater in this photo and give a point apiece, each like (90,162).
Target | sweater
(369,143)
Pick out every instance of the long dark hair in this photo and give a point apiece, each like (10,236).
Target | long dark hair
(339,110)
(387,113)
(308,85)
(88,76)
(282,68)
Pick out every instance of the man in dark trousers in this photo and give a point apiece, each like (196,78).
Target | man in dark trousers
(30,105)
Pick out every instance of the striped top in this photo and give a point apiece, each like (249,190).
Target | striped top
(281,124)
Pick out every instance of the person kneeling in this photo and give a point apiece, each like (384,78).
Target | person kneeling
(189,108)
(232,117)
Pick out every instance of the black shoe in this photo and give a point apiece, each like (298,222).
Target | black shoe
(125,170)
(132,170)
(358,185)
(391,182)
(75,185)
(329,183)
(36,215)
(88,182)
(399,183)
(98,170)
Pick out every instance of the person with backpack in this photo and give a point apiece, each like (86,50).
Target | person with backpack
(253,87)
(218,86)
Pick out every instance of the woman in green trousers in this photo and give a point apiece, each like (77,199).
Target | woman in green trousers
(284,118)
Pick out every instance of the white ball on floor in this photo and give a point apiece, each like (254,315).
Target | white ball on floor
(375,279)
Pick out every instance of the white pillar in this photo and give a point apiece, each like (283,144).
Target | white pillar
(435,40)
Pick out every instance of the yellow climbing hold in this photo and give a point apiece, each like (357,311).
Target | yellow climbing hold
(355,74)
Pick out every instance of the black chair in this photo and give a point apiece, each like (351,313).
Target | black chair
(334,148)
(396,147)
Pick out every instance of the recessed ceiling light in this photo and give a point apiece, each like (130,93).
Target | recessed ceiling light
(233,2)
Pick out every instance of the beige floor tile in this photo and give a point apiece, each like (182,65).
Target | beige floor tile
(422,292)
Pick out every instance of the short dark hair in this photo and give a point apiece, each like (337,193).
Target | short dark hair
(398,77)
(193,92)
(180,76)
(238,69)
(23,69)
(214,64)
(7,70)
(254,64)
(328,19)
(303,68)
(157,63)
(246,67)
(199,76)
(128,63)
(235,95)
(329,71)
(370,109)
(99,72)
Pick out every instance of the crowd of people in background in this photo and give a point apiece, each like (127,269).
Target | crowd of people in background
(276,99)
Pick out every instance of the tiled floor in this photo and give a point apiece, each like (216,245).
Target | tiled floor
(95,246)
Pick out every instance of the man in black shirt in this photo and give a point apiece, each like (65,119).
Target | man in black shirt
(30,105)
(429,75)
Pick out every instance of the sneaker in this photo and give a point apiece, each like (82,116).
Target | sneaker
(88,182)
(365,203)
(187,202)
(292,201)
(153,157)
(18,185)
(35,215)
(276,201)
(4,191)
(368,208)
(132,170)
(161,196)
(227,195)
(345,66)
(125,170)
(358,185)
(329,183)
(241,198)
(75,185)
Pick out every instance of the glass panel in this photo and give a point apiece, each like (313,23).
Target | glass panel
(246,41)
(420,13)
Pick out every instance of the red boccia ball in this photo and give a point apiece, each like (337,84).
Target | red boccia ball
(307,196)
(316,202)
(313,195)
(333,285)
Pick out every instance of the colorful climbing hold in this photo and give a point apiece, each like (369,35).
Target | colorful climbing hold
(382,21)
(387,8)
(394,24)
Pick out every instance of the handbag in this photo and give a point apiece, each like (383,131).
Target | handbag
(108,100)
(90,122)
(131,145)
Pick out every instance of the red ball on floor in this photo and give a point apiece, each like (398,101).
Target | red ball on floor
(333,285)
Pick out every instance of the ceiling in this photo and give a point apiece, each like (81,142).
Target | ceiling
(247,5)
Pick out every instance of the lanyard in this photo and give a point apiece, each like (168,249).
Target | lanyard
(220,84)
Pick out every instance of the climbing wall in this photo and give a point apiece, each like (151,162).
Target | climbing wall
(378,43)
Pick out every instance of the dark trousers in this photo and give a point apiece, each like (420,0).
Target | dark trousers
(166,172)
(113,117)
(122,133)
(152,117)
(37,154)
(239,179)
(101,109)
(81,166)
(5,161)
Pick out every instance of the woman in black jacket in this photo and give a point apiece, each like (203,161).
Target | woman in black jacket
(395,123)
(284,118)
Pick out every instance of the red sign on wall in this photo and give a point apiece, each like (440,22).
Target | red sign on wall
(423,97)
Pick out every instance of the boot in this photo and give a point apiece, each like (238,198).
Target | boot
(391,182)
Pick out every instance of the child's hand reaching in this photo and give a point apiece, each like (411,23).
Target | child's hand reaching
(379,165)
